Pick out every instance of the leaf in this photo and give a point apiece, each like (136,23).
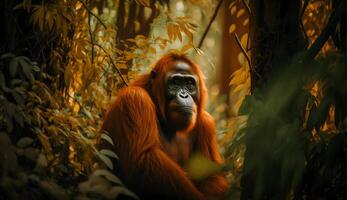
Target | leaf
(116,190)
(245,22)
(49,19)
(109,153)
(238,88)
(13,67)
(6,55)
(186,47)
(27,69)
(17,97)
(107,138)
(232,28)
(186,31)
(233,9)
(176,31)
(199,51)
(35,67)
(244,39)
(192,26)
(170,31)
(108,175)
(16,82)
(145,3)
(24,142)
(106,160)
(179,33)
(240,12)
(38,16)
(232,4)
(152,50)
(42,160)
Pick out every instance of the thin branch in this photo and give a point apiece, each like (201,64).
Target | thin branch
(91,13)
(250,17)
(245,54)
(210,23)
(104,71)
(335,17)
(91,38)
(112,63)
(247,8)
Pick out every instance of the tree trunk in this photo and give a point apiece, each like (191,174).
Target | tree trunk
(128,14)
(276,36)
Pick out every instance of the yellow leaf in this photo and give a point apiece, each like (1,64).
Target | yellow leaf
(152,50)
(245,22)
(38,16)
(176,31)
(76,108)
(240,12)
(143,2)
(186,31)
(49,20)
(237,89)
(233,10)
(244,39)
(140,37)
(162,47)
(170,31)
(232,28)
(122,66)
(186,47)
(231,4)
(78,5)
(179,35)
(192,26)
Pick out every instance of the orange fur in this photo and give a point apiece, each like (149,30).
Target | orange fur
(133,123)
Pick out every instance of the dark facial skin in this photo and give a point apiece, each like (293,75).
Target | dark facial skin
(182,93)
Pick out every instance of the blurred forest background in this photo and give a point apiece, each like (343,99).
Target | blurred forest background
(275,71)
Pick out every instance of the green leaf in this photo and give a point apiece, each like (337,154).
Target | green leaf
(35,67)
(109,153)
(108,175)
(24,142)
(17,97)
(116,190)
(15,82)
(106,160)
(27,68)
(107,138)
(6,55)
(13,67)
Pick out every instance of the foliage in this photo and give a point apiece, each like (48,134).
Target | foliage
(294,126)
(70,58)
(51,109)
